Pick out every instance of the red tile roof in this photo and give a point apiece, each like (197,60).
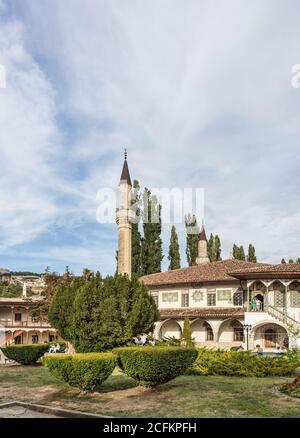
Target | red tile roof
(204,273)
(202,235)
(288,270)
(203,312)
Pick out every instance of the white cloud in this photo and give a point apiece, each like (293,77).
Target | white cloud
(199,92)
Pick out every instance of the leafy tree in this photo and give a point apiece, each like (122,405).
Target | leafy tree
(291,261)
(52,284)
(61,309)
(192,237)
(251,257)
(152,253)
(238,252)
(99,314)
(214,248)
(187,332)
(11,291)
(136,239)
(174,254)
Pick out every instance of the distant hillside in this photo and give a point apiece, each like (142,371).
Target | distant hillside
(25,273)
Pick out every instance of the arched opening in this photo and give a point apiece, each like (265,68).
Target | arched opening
(230,330)
(238,331)
(170,329)
(209,334)
(271,337)
(257,293)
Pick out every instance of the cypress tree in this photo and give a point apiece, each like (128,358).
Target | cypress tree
(152,253)
(251,257)
(187,332)
(242,253)
(192,237)
(136,240)
(214,248)
(217,248)
(283,262)
(238,252)
(174,254)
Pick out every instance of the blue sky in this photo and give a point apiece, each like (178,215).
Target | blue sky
(199,92)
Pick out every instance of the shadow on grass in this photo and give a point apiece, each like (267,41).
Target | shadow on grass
(116,383)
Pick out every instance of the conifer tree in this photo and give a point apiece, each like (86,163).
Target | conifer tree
(136,240)
(238,252)
(174,254)
(192,237)
(251,257)
(283,262)
(187,332)
(242,253)
(152,253)
(97,314)
(214,248)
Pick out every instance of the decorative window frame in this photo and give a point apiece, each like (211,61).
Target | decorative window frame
(170,297)
(224,295)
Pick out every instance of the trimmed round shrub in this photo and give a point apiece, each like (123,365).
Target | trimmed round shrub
(25,354)
(86,371)
(151,366)
(244,364)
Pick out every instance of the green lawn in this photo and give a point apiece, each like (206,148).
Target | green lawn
(187,396)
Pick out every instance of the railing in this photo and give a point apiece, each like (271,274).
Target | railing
(279,314)
(12,323)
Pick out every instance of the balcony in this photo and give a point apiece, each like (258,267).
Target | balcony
(8,323)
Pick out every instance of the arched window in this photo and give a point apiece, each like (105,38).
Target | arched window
(209,332)
(238,298)
(238,331)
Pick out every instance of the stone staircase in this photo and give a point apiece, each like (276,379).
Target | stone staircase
(282,317)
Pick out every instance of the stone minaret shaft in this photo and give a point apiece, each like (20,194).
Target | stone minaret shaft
(202,248)
(123,215)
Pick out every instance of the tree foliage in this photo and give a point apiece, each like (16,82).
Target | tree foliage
(192,238)
(152,252)
(136,239)
(238,252)
(214,248)
(97,314)
(251,257)
(187,332)
(174,253)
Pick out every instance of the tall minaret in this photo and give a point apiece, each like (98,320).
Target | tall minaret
(123,216)
(202,248)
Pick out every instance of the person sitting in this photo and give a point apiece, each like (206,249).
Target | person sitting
(259,349)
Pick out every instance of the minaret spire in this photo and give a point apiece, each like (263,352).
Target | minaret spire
(125,175)
(202,247)
(123,219)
